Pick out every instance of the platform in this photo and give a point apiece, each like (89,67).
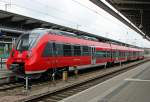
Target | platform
(131,86)
(6,75)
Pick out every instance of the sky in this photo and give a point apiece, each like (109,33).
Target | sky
(78,14)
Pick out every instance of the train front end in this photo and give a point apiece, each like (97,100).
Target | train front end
(22,57)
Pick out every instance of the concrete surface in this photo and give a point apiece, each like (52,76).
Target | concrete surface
(5,75)
(122,88)
(136,89)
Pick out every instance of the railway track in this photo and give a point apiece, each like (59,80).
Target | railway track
(9,86)
(65,92)
(13,85)
(17,84)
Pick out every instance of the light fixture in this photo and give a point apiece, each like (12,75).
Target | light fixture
(141,23)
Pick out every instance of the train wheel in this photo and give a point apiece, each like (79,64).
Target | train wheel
(60,72)
(108,64)
(36,76)
(112,64)
(47,75)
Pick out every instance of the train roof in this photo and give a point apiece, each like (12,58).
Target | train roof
(79,41)
(86,35)
(116,47)
(92,40)
(135,49)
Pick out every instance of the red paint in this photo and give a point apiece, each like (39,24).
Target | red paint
(36,62)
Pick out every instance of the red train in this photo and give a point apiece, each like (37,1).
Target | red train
(46,50)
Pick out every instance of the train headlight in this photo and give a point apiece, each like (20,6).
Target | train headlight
(29,53)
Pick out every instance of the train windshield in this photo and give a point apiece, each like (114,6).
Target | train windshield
(26,42)
(29,40)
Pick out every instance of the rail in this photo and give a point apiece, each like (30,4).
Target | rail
(75,87)
(82,79)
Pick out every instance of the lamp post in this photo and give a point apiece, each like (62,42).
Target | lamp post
(77,26)
(7,5)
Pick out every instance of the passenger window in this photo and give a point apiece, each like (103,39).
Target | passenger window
(108,54)
(86,51)
(59,48)
(67,50)
(100,54)
(77,50)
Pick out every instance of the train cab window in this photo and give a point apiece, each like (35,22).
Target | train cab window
(67,50)
(26,42)
(77,50)
(48,50)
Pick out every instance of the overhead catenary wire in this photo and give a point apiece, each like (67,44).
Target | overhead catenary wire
(94,11)
(75,24)
(61,19)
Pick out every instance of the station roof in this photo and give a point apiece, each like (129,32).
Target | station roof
(130,13)
(12,25)
(137,11)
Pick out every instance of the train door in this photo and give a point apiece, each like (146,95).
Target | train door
(55,55)
(93,55)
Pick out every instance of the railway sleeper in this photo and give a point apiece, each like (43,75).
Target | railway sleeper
(51,100)
(70,91)
(76,90)
(86,85)
(83,88)
(62,95)
(67,93)
(40,101)
(56,97)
